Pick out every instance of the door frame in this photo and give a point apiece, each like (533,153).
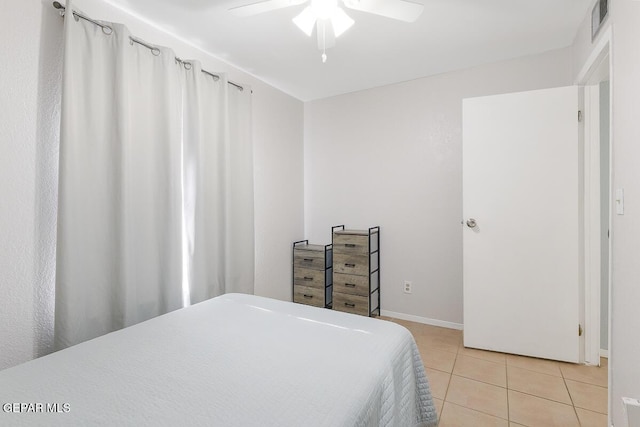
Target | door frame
(588,77)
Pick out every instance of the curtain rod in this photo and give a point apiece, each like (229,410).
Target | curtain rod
(154,50)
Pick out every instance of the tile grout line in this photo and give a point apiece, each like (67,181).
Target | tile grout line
(564,380)
(446,393)
(522,392)
(484,360)
(480,412)
(444,398)
(458,352)
(473,379)
(534,371)
(506,369)
(586,382)
(479,381)
(543,398)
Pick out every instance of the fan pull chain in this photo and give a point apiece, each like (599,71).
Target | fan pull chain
(324,44)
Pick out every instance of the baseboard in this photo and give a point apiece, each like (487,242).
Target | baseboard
(604,353)
(419,319)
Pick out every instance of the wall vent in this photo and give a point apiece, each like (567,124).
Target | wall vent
(598,15)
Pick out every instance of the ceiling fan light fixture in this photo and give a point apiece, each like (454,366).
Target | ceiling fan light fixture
(324,9)
(331,21)
(306,20)
(341,22)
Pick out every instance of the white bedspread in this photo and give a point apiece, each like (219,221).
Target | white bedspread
(235,360)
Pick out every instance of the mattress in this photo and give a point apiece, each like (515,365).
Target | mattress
(235,360)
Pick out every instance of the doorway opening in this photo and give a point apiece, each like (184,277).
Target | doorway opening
(596,80)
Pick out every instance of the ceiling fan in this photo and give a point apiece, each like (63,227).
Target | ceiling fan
(329,19)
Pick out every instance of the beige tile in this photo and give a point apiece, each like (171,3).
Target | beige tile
(588,396)
(534,411)
(439,382)
(423,329)
(446,332)
(542,366)
(458,416)
(436,359)
(437,330)
(400,321)
(479,396)
(591,419)
(413,327)
(515,425)
(438,403)
(596,375)
(604,361)
(437,342)
(491,356)
(541,385)
(481,370)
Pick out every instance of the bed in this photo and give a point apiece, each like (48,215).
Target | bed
(234,360)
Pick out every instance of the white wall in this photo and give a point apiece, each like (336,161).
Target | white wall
(391,156)
(28,169)
(582,45)
(625,292)
(18,132)
(624,353)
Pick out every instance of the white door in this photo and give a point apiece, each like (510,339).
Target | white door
(521,186)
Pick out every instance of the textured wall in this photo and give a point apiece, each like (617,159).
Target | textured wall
(28,153)
(29,94)
(624,351)
(392,156)
(279,191)
(624,354)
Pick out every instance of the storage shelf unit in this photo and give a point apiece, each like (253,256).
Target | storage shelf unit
(312,274)
(356,270)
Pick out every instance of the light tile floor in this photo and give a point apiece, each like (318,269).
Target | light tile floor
(481,388)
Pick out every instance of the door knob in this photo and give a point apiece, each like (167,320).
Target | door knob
(471,223)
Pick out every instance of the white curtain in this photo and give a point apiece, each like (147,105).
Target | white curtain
(156,184)
(239,201)
(218,185)
(119,220)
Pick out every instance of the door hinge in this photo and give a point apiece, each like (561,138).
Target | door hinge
(579,115)
(580,330)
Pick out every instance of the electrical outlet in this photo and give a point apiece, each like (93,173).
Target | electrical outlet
(407,287)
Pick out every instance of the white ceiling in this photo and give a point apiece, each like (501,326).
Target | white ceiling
(376,51)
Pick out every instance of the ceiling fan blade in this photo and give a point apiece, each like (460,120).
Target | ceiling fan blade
(263,6)
(306,20)
(341,22)
(402,10)
(326,36)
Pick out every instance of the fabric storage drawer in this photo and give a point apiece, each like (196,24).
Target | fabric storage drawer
(309,259)
(350,284)
(347,243)
(356,270)
(351,264)
(308,295)
(312,274)
(309,277)
(356,304)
